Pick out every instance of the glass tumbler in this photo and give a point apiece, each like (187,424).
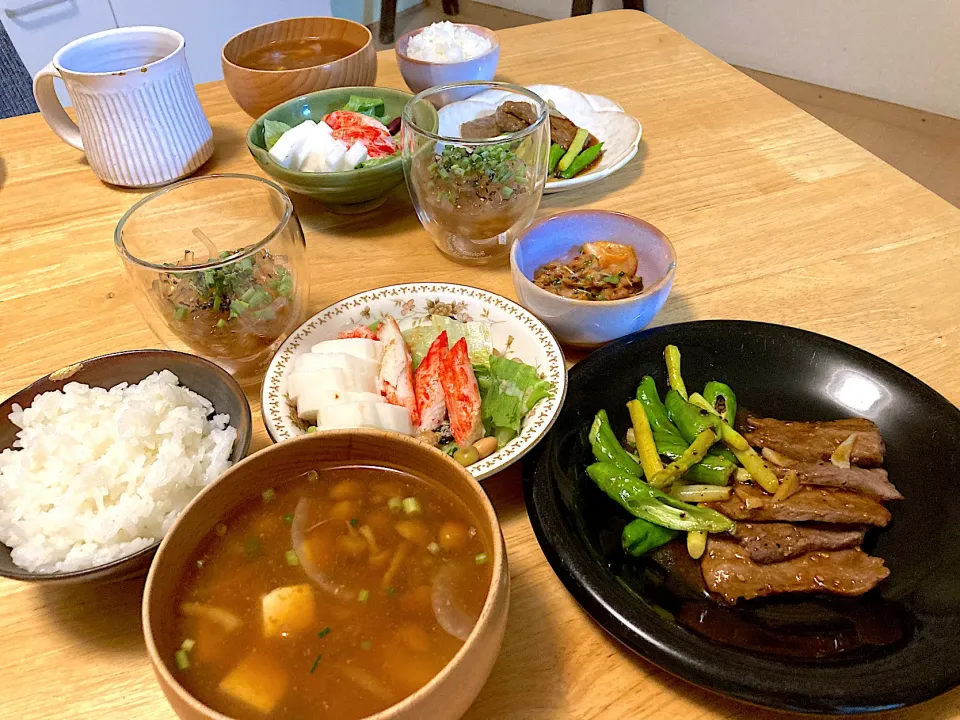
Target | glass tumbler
(474,195)
(218,267)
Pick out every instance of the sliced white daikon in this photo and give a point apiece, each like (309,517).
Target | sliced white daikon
(355,155)
(349,415)
(334,159)
(326,128)
(286,147)
(357,347)
(395,418)
(308,408)
(315,361)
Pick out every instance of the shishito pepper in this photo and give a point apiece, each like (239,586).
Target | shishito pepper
(656,412)
(689,419)
(556,152)
(605,447)
(712,470)
(722,399)
(652,505)
(582,160)
(641,536)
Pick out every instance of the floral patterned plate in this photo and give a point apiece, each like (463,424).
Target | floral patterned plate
(515,333)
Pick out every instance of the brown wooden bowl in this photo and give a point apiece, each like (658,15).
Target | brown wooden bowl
(201,376)
(256,91)
(448,695)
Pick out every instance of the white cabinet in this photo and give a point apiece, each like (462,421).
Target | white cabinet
(38,28)
(208,24)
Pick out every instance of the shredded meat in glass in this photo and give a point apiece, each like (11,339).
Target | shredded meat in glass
(600,275)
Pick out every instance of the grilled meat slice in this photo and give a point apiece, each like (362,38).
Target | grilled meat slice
(482,127)
(729,571)
(508,122)
(872,482)
(562,132)
(766,543)
(815,441)
(523,111)
(808,504)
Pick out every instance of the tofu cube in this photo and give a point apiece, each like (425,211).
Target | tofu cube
(288,609)
(355,155)
(258,682)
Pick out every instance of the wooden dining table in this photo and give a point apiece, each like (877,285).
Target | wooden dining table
(775,217)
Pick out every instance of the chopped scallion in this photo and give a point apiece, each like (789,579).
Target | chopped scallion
(390,590)
(288,518)
(188,644)
(312,476)
(411,506)
(433,548)
(613,279)
(312,429)
(315,663)
(291,557)
(323,633)
(221,323)
(180,313)
(268,494)
(354,522)
(363,595)
(395,504)
(183,662)
(481,559)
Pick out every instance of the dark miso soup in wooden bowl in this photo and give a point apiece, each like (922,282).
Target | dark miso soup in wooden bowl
(346,574)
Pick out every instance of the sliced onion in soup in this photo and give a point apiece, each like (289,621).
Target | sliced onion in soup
(298,532)
(455,610)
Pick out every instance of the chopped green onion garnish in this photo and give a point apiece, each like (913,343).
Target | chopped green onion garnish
(312,428)
(288,518)
(395,504)
(366,645)
(354,522)
(183,662)
(187,645)
(216,304)
(614,279)
(248,294)
(180,313)
(291,556)
(268,494)
(323,633)
(312,476)
(363,595)
(433,548)
(390,590)
(411,506)
(315,663)
(221,323)
(481,559)
(237,308)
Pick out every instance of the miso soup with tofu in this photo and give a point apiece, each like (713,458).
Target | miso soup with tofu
(334,594)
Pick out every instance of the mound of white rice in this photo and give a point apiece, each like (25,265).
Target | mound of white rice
(447,42)
(98,474)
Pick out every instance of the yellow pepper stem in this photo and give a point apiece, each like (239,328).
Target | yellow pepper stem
(671,354)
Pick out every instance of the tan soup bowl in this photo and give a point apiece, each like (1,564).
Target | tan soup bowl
(257,91)
(448,695)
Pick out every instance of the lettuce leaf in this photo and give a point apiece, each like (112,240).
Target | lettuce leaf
(508,390)
(272,130)
(479,346)
(374,107)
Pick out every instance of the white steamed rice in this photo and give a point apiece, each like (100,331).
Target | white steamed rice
(447,42)
(98,474)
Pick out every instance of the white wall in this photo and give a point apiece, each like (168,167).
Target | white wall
(902,51)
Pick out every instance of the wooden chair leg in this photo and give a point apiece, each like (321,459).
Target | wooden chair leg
(451,7)
(388,21)
(634,5)
(581,7)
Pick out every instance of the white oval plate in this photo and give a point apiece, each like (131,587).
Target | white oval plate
(606,119)
(514,332)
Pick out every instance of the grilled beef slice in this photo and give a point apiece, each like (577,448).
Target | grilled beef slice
(508,122)
(808,504)
(729,571)
(815,441)
(766,543)
(523,111)
(872,482)
(482,127)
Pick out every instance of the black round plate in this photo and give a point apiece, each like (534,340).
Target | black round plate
(788,374)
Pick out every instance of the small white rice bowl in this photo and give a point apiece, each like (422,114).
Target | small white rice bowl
(96,475)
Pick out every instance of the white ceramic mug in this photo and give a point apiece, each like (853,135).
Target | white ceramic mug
(140,121)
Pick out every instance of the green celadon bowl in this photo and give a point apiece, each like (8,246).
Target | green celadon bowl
(348,191)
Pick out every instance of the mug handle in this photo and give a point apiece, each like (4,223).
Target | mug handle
(51,109)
